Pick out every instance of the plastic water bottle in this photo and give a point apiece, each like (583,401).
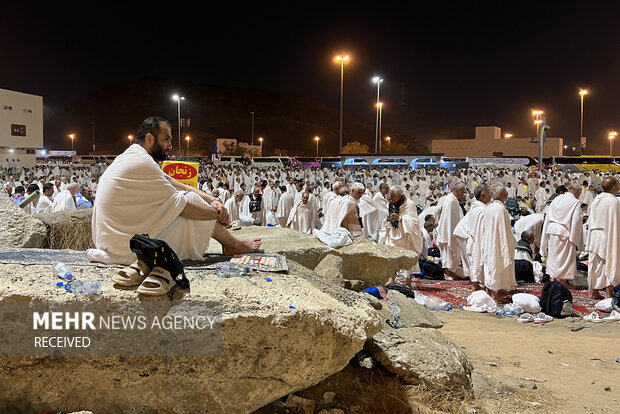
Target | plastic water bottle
(63,272)
(433,303)
(88,287)
(231,270)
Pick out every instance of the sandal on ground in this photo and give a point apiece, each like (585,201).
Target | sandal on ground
(132,275)
(525,318)
(613,316)
(542,318)
(593,317)
(158,282)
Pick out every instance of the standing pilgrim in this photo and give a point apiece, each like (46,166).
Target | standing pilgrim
(285,204)
(451,214)
(498,245)
(604,240)
(562,234)
(474,245)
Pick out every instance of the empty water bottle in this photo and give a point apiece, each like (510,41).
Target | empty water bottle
(63,271)
(87,287)
(231,270)
(434,303)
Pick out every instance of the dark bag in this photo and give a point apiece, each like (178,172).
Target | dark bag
(155,252)
(615,299)
(524,271)
(431,270)
(434,252)
(556,300)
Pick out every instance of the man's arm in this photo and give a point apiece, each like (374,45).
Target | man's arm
(222,214)
(198,211)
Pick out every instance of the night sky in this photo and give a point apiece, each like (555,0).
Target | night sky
(447,66)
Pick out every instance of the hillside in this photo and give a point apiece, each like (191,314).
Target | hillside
(284,121)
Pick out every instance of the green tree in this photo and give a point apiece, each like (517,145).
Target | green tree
(355,147)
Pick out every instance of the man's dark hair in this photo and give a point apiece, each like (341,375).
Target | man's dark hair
(283,188)
(32,188)
(561,189)
(150,125)
(47,186)
(20,189)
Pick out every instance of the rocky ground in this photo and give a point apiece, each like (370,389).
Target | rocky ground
(306,342)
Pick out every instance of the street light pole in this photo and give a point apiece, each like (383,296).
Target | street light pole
(377,80)
(612,136)
(252,144)
(187,139)
(317,139)
(260,139)
(582,93)
(72,136)
(178,99)
(380,110)
(341,59)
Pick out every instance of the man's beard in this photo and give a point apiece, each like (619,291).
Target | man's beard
(158,153)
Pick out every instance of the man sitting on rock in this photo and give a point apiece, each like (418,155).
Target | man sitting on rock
(135,196)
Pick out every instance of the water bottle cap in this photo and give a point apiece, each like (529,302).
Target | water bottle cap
(59,284)
(68,287)
(69,276)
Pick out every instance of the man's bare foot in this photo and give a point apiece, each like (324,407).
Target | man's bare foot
(243,246)
(478,286)
(595,294)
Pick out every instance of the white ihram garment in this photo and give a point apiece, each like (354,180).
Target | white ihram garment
(133,197)
(300,218)
(498,248)
(451,214)
(604,242)
(562,234)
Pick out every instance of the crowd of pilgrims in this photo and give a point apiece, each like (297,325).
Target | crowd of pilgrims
(493,226)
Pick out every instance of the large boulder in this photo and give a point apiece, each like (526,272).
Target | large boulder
(18,228)
(68,229)
(279,337)
(362,260)
(422,356)
(407,313)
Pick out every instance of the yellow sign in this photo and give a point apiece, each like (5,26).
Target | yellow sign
(184,172)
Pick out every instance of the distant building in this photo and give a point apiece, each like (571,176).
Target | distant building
(21,127)
(489,141)
(245,148)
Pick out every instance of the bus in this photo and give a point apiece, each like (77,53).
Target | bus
(587,162)
(307,162)
(428,163)
(453,164)
(272,162)
(390,162)
(331,162)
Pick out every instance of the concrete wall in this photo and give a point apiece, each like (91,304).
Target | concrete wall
(489,140)
(21,120)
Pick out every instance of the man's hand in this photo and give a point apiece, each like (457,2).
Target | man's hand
(222,213)
(393,217)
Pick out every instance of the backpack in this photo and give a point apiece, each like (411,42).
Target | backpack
(155,252)
(556,300)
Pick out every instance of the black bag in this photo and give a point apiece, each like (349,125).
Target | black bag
(433,251)
(155,252)
(405,290)
(524,271)
(556,300)
(431,270)
(615,299)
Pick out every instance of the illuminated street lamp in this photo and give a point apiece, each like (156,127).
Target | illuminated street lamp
(507,136)
(582,93)
(260,139)
(380,110)
(388,139)
(317,139)
(341,60)
(178,100)
(536,114)
(72,136)
(187,138)
(377,80)
(130,138)
(612,136)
